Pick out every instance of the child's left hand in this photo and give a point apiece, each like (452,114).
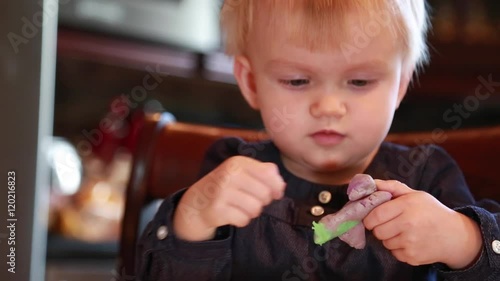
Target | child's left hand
(418,229)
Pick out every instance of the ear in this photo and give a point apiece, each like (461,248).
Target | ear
(246,81)
(406,75)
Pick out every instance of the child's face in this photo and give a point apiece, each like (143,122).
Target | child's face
(326,112)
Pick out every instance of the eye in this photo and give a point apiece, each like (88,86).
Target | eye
(295,82)
(359,82)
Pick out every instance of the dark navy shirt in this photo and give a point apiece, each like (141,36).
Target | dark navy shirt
(278,245)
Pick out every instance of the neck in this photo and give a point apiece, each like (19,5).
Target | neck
(328,176)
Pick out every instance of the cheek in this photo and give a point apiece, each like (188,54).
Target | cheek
(281,112)
(281,116)
(375,112)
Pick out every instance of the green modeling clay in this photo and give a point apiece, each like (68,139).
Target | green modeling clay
(323,235)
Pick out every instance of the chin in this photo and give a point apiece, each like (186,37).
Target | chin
(327,166)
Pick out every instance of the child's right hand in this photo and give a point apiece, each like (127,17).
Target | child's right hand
(234,193)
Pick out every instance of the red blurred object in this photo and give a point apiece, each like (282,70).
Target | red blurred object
(117,130)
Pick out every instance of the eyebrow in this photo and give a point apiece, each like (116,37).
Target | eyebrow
(277,63)
(376,64)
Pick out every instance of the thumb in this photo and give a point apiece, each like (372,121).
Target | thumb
(396,188)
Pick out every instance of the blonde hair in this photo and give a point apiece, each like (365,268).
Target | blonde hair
(313,21)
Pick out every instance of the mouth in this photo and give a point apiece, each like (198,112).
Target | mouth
(327,137)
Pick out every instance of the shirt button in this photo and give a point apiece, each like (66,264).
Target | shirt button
(496,246)
(325,197)
(162,232)
(317,211)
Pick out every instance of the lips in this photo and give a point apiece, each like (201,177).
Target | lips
(327,137)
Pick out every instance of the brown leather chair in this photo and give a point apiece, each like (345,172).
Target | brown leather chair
(169,156)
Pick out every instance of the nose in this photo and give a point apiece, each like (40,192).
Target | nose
(328,106)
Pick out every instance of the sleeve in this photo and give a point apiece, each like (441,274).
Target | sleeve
(446,182)
(162,256)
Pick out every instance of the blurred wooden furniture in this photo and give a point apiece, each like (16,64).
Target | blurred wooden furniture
(477,152)
(169,154)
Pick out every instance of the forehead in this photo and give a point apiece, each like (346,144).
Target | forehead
(318,27)
(348,34)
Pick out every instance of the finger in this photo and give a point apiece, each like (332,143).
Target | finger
(393,243)
(387,230)
(238,174)
(224,210)
(404,256)
(400,255)
(384,213)
(269,175)
(245,202)
(237,217)
(354,211)
(396,188)
(255,188)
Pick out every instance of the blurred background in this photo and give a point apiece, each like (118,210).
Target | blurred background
(118,59)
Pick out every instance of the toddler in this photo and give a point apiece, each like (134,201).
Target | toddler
(327,77)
